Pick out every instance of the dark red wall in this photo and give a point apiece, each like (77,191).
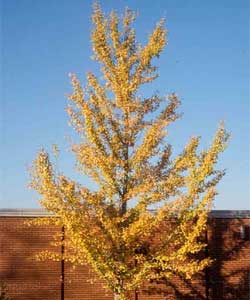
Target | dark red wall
(228,278)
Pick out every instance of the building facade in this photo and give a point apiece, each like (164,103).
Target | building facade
(228,278)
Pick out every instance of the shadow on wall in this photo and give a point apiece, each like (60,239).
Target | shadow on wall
(228,278)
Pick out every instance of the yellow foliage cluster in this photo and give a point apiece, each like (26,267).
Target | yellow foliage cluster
(126,154)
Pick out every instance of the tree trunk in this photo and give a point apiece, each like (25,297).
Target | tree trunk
(116,297)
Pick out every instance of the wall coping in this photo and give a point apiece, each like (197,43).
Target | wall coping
(230,214)
(34,212)
(38,212)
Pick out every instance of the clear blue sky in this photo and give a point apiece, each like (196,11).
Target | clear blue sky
(206,63)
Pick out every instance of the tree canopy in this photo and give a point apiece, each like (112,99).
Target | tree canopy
(145,219)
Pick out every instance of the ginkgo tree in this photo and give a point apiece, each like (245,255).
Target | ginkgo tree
(145,218)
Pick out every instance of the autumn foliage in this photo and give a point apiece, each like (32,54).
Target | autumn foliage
(123,148)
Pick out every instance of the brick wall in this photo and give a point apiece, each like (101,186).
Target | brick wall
(228,278)
(27,279)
